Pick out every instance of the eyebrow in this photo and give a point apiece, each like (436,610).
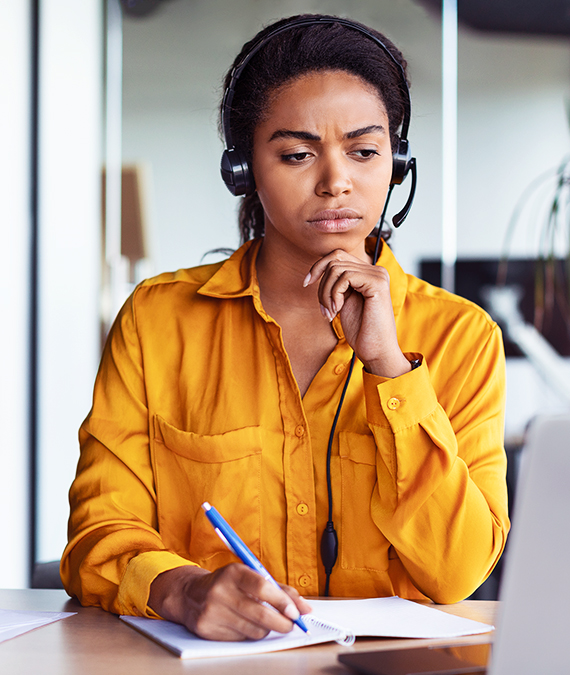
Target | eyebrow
(372,128)
(307,136)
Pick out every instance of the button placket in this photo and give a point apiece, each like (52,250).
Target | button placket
(301,561)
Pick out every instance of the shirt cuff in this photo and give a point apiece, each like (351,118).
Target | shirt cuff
(400,402)
(141,571)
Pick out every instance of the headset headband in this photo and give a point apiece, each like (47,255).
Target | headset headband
(238,69)
(235,166)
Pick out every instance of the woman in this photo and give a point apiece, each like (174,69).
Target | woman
(221,383)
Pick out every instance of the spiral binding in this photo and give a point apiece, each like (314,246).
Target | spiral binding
(345,637)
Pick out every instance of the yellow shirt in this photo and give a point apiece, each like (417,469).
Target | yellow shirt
(195,401)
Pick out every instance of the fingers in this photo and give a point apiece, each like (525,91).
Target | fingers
(227,605)
(318,269)
(277,597)
(340,274)
(302,605)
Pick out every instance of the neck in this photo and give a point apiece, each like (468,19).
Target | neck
(282,270)
(281,279)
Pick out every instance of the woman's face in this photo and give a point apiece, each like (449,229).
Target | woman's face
(322,163)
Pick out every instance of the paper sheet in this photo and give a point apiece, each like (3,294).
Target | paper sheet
(395,617)
(14,623)
(376,617)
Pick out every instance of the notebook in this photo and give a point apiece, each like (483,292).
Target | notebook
(339,620)
(534,621)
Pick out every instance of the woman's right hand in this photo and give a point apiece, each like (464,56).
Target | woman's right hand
(225,604)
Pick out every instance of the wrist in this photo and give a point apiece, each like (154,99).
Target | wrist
(391,368)
(170,589)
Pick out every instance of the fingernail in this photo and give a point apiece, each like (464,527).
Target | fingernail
(323,311)
(291,612)
(334,308)
(307,279)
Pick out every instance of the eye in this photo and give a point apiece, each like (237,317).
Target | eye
(295,157)
(366,153)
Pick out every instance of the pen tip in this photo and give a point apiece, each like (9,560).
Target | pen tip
(206,506)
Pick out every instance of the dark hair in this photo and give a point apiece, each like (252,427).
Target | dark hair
(292,53)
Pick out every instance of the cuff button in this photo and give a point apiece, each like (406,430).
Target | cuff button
(393,403)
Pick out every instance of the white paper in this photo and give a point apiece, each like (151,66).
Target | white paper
(338,620)
(14,623)
(395,617)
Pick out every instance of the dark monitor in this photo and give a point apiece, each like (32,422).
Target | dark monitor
(472,275)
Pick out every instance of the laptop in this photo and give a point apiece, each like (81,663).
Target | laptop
(534,620)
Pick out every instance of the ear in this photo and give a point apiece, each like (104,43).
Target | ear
(401,161)
(236,173)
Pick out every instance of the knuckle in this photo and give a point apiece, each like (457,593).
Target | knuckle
(216,593)
(258,632)
(201,626)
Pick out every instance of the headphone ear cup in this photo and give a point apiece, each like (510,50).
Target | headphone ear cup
(236,173)
(401,159)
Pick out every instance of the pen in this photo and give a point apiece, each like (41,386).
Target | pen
(236,545)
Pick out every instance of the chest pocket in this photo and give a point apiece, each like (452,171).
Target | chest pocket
(223,469)
(362,544)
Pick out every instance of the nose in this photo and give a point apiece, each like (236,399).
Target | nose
(334,177)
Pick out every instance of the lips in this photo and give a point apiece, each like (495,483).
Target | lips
(335,220)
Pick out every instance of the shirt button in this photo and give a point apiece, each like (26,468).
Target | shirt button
(302,509)
(304,581)
(393,403)
(339,369)
(299,431)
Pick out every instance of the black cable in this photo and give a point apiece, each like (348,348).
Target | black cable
(329,540)
(381,225)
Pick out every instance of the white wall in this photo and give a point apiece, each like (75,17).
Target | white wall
(15,225)
(70,107)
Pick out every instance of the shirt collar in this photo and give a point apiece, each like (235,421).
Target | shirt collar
(237,276)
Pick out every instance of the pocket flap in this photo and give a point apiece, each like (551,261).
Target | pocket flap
(226,447)
(359,448)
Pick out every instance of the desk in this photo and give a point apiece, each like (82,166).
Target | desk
(95,642)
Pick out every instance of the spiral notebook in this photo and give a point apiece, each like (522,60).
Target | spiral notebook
(374,617)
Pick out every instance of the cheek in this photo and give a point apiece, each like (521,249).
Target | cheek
(280,192)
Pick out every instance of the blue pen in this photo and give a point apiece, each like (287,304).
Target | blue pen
(236,545)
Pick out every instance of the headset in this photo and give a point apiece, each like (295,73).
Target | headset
(235,167)
(238,176)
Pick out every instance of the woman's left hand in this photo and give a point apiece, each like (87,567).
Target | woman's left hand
(360,294)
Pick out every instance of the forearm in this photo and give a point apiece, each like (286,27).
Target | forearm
(441,494)
(449,543)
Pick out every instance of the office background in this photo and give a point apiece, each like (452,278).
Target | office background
(513,125)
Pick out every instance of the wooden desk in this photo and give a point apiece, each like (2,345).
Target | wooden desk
(95,642)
